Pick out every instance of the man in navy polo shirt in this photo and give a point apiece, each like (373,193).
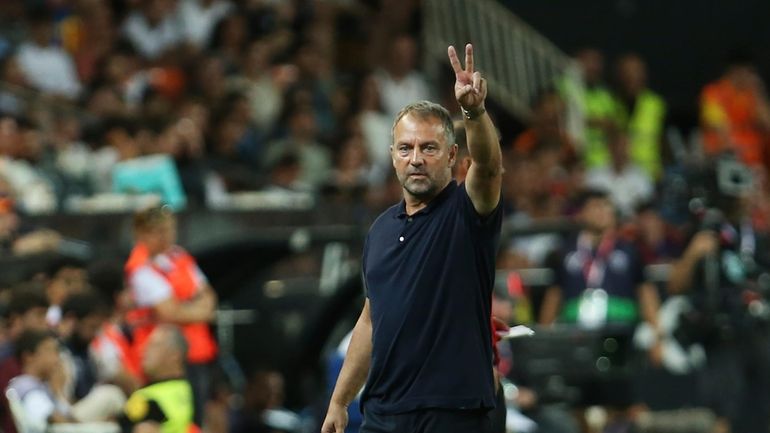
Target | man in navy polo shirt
(423,341)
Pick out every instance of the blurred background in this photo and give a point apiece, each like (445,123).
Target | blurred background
(265,125)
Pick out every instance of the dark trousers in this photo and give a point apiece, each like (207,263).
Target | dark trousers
(736,382)
(427,421)
(199,376)
(497,416)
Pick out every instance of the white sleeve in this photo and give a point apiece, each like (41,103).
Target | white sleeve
(149,287)
(38,406)
(106,359)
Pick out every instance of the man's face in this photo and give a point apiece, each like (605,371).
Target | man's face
(89,326)
(598,214)
(46,357)
(421,156)
(34,319)
(161,237)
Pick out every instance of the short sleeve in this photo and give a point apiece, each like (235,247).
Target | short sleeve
(486,223)
(149,287)
(106,358)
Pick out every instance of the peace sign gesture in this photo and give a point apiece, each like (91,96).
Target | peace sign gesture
(470,88)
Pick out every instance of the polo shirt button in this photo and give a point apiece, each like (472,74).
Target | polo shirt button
(401,239)
(409,219)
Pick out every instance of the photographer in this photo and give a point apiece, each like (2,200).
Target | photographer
(721,272)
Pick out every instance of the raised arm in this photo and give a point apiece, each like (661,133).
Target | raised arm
(353,374)
(484,178)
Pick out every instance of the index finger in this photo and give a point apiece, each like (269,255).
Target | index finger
(469,58)
(454,60)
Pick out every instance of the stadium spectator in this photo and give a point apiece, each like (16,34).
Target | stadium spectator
(25,313)
(315,159)
(398,81)
(16,236)
(64,277)
(598,107)
(547,127)
(198,19)
(374,124)
(627,184)
(20,146)
(642,113)
(46,66)
(12,75)
(352,171)
(168,287)
(38,356)
(229,39)
(83,314)
(89,34)
(152,29)
(735,113)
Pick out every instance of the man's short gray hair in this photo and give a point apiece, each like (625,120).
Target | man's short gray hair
(424,110)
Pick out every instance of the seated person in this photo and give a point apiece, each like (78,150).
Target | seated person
(38,354)
(25,311)
(166,404)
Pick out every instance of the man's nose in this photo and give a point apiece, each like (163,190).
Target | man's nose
(416,158)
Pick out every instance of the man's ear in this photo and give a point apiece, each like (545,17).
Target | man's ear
(453,155)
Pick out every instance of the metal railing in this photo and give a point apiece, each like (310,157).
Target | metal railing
(517,61)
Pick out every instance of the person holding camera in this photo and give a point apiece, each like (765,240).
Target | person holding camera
(724,273)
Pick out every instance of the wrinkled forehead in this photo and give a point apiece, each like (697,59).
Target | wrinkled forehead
(415,128)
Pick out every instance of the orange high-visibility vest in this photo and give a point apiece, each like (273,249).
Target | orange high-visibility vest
(111,333)
(181,277)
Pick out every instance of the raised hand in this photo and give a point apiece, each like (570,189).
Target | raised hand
(470,88)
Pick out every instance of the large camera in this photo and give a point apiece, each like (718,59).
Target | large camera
(731,289)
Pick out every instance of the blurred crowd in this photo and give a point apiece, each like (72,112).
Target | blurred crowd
(104,102)
(196,100)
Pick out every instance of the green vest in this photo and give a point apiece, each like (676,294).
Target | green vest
(598,103)
(645,129)
(173,397)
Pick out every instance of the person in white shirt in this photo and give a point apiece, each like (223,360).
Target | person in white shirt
(46,66)
(153,30)
(627,184)
(198,18)
(399,82)
(38,354)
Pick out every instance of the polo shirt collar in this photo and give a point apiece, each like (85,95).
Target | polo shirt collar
(431,204)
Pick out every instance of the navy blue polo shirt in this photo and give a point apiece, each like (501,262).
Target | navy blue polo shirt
(429,279)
